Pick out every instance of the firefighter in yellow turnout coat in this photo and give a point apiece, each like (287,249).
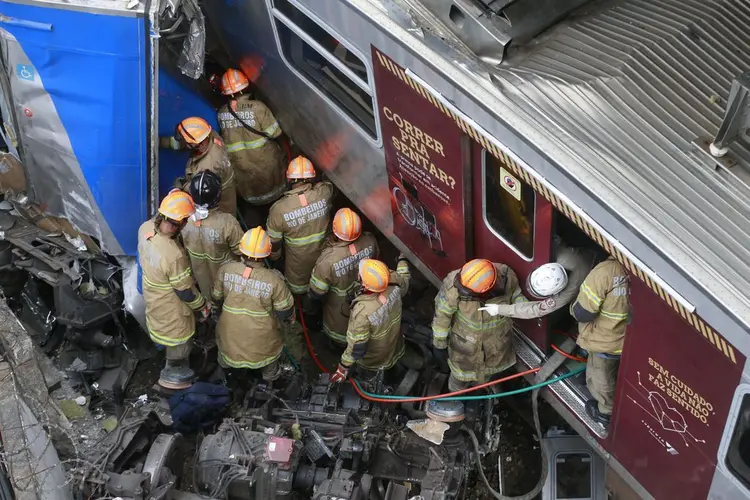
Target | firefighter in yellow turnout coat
(602,310)
(374,339)
(478,345)
(249,129)
(335,272)
(168,288)
(211,237)
(299,221)
(254,301)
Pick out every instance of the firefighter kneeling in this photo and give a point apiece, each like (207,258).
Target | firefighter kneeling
(255,302)
(374,340)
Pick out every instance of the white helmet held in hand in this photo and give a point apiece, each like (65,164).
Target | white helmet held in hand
(547,280)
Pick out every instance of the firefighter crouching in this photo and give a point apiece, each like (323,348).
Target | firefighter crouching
(478,345)
(299,221)
(249,129)
(211,237)
(602,311)
(254,300)
(374,339)
(206,153)
(335,272)
(168,288)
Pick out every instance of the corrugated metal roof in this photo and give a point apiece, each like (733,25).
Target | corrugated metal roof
(625,91)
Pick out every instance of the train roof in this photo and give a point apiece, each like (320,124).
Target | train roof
(618,95)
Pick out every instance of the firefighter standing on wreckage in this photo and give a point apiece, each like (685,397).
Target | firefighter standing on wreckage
(298,221)
(374,340)
(250,131)
(476,344)
(206,153)
(254,301)
(211,237)
(168,288)
(335,272)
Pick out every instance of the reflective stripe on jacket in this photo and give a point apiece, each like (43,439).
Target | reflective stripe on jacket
(166,269)
(334,275)
(300,219)
(215,159)
(249,334)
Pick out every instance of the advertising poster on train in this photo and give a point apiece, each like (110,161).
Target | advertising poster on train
(675,389)
(423,158)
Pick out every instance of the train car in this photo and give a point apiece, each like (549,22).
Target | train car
(472,128)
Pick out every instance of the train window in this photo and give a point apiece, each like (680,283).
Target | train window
(509,206)
(572,476)
(738,453)
(326,64)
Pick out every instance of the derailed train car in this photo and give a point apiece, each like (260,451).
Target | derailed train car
(461,129)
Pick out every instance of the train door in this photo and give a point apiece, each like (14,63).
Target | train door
(513,225)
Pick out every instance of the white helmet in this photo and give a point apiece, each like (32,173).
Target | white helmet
(546,280)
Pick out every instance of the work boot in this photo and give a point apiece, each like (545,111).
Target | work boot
(592,409)
(176,375)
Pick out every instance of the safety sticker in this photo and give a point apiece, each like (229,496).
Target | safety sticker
(510,183)
(25,72)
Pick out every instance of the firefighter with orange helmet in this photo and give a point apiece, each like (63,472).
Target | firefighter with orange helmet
(476,344)
(168,288)
(335,272)
(299,221)
(254,301)
(206,153)
(211,237)
(373,336)
(249,129)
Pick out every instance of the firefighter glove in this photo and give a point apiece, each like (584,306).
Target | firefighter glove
(492,309)
(341,373)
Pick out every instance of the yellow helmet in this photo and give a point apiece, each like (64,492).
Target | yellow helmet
(347,225)
(300,168)
(255,243)
(478,275)
(177,206)
(374,275)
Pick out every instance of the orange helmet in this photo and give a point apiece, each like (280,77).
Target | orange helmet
(300,168)
(347,225)
(177,206)
(194,130)
(374,275)
(478,275)
(233,81)
(255,243)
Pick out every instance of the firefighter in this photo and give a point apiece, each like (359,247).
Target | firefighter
(602,310)
(249,130)
(254,301)
(168,288)
(206,153)
(476,344)
(211,237)
(335,272)
(373,336)
(300,220)
(553,286)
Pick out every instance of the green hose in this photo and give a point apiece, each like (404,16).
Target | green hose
(486,396)
(294,362)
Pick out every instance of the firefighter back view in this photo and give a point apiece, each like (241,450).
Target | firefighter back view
(249,129)
(254,300)
(211,237)
(374,340)
(478,344)
(299,222)
(602,310)
(335,272)
(168,289)
(206,153)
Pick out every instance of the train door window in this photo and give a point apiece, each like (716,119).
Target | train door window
(509,206)
(326,64)
(573,476)
(738,452)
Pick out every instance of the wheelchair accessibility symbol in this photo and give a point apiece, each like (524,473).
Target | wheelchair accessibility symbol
(25,72)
